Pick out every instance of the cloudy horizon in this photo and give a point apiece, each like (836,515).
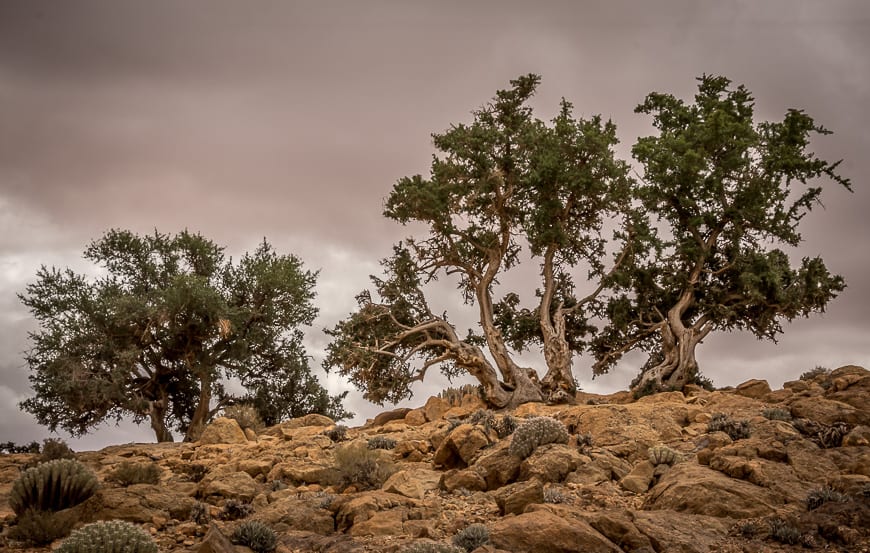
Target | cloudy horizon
(293,120)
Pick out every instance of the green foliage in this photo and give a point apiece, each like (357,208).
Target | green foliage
(535,432)
(112,536)
(381,442)
(200,513)
(40,528)
(819,496)
(234,510)
(337,433)
(55,448)
(12,447)
(361,466)
(777,414)
(725,191)
(784,532)
(257,535)
(471,537)
(737,430)
(52,486)
(244,414)
(170,316)
(431,547)
(812,374)
(128,473)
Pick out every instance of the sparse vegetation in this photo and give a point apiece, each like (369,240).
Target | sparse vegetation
(737,430)
(234,509)
(111,536)
(381,442)
(256,535)
(12,447)
(55,448)
(555,495)
(337,433)
(431,547)
(362,466)
(813,373)
(819,496)
(128,473)
(42,527)
(536,432)
(784,532)
(246,415)
(777,414)
(471,537)
(200,513)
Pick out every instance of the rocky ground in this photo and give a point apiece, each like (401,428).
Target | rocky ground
(613,487)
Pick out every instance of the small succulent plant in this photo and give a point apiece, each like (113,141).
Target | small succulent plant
(257,535)
(471,537)
(737,430)
(108,537)
(777,414)
(662,455)
(52,486)
(381,442)
(784,532)
(535,432)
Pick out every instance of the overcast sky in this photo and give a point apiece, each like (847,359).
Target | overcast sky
(292,121)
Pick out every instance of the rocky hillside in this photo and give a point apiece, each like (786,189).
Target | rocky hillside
(737,470)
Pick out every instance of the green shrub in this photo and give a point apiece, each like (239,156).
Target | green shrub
(819,496)
(536,432)
(52,486)
(813,373)
(246,415)
(200,513)
(777,414)
(359,465)
(113,536)
(12,447)
(431,547)
(737,430)
(337,433)
(471,537)
(128,473)
(783,532)
(256,535)
(55,448)
(234,510)
(42,527)
(381,442)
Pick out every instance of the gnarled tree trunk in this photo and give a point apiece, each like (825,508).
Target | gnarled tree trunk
(157,416)
(202,412)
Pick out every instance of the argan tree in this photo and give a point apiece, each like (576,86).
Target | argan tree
(505,180)
(726,190)
(159,332)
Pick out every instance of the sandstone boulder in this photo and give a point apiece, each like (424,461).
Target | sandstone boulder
(756,389)
(223,431)
(551,463)
(235,485)
(542,530)
(639,479)
(461,446)
(412,483)
(514,498)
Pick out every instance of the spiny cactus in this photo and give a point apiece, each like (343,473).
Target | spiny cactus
(52,486)
(256,535)
(505,426)
(662,455)
(471,537)
(113,536)
(536,432)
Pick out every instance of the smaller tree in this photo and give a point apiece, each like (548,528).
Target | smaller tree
(159,333)
(726,190)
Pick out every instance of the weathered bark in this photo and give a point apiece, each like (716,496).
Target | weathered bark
(471,358)
(202,412)
(157,416)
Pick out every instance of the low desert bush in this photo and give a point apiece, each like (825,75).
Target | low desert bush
(40,528)
(819,496)
(784,532)
(113,536)
(813,373)
(381,442)
(777,414)
(55,448)
(471,537)
(737,430)
(431,547)
(246,415)
(256,535)
(128,473)
(200,513)
(337,433)
(536,432)
(362,466)
(234,510)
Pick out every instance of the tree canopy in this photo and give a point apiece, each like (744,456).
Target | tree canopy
(160,333)
(726,191)
(503,182)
